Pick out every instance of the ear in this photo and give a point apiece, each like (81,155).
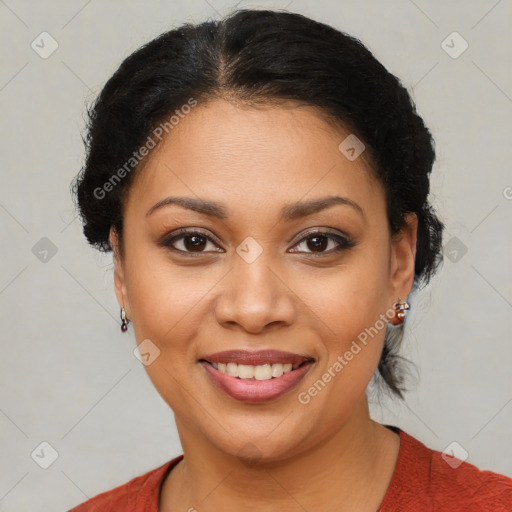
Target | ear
(403,255)
(119,276)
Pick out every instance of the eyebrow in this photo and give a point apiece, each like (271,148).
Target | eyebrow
(288,213)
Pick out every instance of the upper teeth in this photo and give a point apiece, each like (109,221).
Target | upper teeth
(260,372)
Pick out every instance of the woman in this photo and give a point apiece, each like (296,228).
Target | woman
(263,184)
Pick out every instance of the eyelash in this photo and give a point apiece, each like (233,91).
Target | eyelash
(343,242)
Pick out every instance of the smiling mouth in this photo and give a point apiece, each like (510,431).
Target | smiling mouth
(265,371)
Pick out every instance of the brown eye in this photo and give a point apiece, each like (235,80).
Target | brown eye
(190,242)
(318,242)
(194,242)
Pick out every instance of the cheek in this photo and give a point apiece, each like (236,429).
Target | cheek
(166,309)
(163,300)
(159,291)
(348,300)
(352,322)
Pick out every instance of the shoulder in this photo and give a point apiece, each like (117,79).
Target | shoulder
(139,494)
(456,482)
(427,479)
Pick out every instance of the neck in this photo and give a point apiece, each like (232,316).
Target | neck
(350,470)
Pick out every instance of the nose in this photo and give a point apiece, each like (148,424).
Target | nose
(255,297)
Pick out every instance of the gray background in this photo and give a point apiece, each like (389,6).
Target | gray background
(69,376)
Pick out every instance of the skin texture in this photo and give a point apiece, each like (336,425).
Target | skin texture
(327,455)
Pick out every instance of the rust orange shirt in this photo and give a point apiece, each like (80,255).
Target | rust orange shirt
(422,481)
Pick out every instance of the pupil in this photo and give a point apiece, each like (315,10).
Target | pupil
(321,243)
(198,244)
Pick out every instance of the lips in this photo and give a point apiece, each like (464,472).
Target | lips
(254,390)
(256,358)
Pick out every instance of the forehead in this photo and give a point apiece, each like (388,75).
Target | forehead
(253,155)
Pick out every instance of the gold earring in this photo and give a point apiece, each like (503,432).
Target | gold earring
(124,320)
(401,307)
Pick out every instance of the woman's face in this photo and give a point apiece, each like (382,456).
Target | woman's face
(255,275)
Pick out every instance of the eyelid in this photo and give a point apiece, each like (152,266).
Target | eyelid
(325,231)
(168,238)
(342,240)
